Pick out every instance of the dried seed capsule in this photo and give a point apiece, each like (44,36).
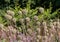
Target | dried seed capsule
(9,12)
(41,10)
(36,18)
(8,17)
(27,19)
(24,11)
(19,12)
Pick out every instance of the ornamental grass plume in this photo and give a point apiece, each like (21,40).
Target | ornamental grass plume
(9,12)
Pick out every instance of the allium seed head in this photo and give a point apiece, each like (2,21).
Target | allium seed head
(21,20)
(29,31)
(19,12)
(14,20)
(1,25)
(9,12)
(41,10)
(38,30)
(38,36)
(44,23)
(24,11)
(38,23)
(27,19)
(36,18)
(8,17)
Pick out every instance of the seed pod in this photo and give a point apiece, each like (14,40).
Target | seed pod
(41,10)
(19,12)
(24,11)
(8,17)
(9,12)
(36,18)
(27,19)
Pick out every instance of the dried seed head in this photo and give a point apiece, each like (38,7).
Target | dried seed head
(29,31)
(8,17)
(38,23)
(1,25)
(54,23)
(41,10)
(44,23)
(24,11)
(19,12)
(38,30)
(37,40)
(27,19)
(14,20)
(52,35)
(14,31)
(36,18)
(9,12)
(38,36)
(21,20)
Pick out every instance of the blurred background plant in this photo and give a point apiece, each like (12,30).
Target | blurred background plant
(29,20)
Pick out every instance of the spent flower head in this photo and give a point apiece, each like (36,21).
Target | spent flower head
(21,20)
(9,12)
(36,18)
(14,20)
(8,17)
(1,25)
(41,10)
(24,11)
(27,19)
(20,12)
